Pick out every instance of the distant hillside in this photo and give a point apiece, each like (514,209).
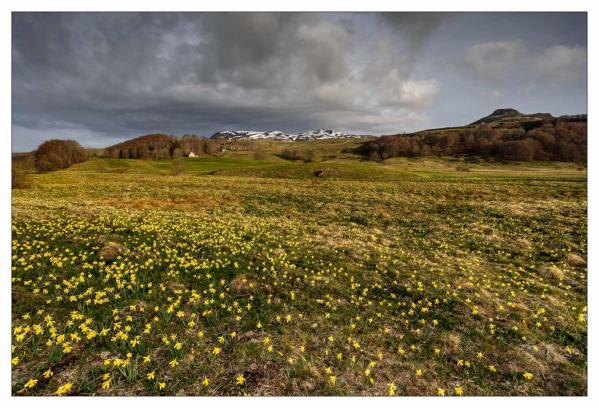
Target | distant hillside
(160,146)
(509,115)
(504,134)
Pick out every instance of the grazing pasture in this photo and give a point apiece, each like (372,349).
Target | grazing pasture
(244,276)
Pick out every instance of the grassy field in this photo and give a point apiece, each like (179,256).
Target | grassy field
(246,276)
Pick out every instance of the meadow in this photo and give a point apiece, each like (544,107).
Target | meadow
(254,277)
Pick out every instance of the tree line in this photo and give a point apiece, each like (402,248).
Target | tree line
(162,147)
(560,139)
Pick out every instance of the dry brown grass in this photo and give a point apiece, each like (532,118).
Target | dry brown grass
(575,260)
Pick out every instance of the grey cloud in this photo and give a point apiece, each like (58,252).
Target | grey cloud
(126,73)
(562,63)
(111,76)
(416,27)
(501,61)
(492,61)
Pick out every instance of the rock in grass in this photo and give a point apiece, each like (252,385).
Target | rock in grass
(111,251)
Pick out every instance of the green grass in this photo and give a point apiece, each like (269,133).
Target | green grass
(402,266)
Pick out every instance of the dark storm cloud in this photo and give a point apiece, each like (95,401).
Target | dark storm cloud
(194,72)
(105,77)
(416,27)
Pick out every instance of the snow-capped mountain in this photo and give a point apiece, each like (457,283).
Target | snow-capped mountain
(319,134)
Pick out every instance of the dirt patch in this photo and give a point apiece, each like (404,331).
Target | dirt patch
(242,285)
(175,286)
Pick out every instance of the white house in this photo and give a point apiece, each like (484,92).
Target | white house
(192,154)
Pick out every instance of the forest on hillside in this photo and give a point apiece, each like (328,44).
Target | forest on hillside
(560,139)
(161,146)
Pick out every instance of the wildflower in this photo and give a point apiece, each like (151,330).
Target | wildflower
(392,389)
(240,380)
(161,385)
(333,378)
(151,375)
(31,383)
(216,351)
(63,389)
(206,381)
(14,361)
(459,390)
(419,372)
(173,363)
(528,376)
(146,359)
(48,373)
(440,392)
(106,384)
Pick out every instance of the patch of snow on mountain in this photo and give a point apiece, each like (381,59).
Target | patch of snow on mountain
(320,134)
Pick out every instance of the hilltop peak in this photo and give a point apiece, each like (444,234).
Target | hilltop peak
(505,112)
(510,114)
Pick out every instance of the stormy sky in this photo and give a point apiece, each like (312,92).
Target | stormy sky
(101,78)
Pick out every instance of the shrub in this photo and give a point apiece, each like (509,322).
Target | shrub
(259,155)
(20,179)
(179,167)
(58,154)
(291,154)
(311,156)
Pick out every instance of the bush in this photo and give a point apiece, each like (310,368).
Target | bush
(291,154)
(58,154)
(259,155)
(20,179)
(179,168)
(311,156)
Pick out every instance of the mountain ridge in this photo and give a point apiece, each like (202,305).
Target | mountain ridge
(319,134)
